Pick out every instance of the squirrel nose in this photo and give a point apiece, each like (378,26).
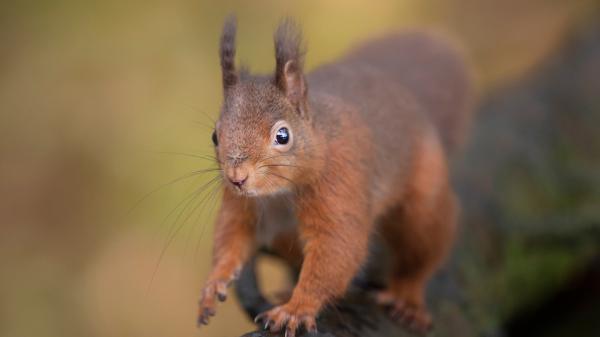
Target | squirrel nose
(238,182)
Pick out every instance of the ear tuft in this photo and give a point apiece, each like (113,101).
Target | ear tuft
(227,52)
(289,59)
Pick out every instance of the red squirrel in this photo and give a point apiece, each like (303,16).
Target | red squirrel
(323,161)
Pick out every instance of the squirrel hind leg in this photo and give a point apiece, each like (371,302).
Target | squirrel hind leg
(420,234)
(404,296)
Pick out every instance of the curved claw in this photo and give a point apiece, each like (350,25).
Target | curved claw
(213,291)
(311,326)
(280,318)
(202,320)
(262,317)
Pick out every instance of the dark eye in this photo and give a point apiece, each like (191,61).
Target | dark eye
(282,136)
(214,138)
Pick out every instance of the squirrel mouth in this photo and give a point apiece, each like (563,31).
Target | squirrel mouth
(245,191)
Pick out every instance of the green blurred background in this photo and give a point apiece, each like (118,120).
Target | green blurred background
(95,98)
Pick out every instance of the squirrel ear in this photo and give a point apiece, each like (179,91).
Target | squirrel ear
(289,59)
(227,53)
(292,83)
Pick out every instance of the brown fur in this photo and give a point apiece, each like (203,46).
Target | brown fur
(368,153)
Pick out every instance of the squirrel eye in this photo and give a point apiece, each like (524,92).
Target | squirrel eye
(214,138)
(282,136)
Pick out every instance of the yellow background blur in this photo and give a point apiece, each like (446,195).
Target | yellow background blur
(92,93)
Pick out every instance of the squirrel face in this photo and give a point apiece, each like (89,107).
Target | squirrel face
(263,132)
(259,139)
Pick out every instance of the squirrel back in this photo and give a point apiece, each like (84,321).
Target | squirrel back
(423,68)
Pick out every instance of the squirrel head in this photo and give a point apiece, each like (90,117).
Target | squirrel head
(263,136)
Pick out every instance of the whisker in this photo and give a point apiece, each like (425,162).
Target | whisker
(198,192)
(207,115)
(285,197)
(196,108)
(199,156)
(191,195)
(295,186)
(207,126)
(160,187)
(282,177)
(200,203)
(279,165)
(213,197)
(288,155)
(190,198)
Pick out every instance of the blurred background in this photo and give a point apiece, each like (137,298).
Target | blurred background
(102,102)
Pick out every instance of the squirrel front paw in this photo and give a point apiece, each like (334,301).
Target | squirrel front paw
(292,318)
(213,291)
